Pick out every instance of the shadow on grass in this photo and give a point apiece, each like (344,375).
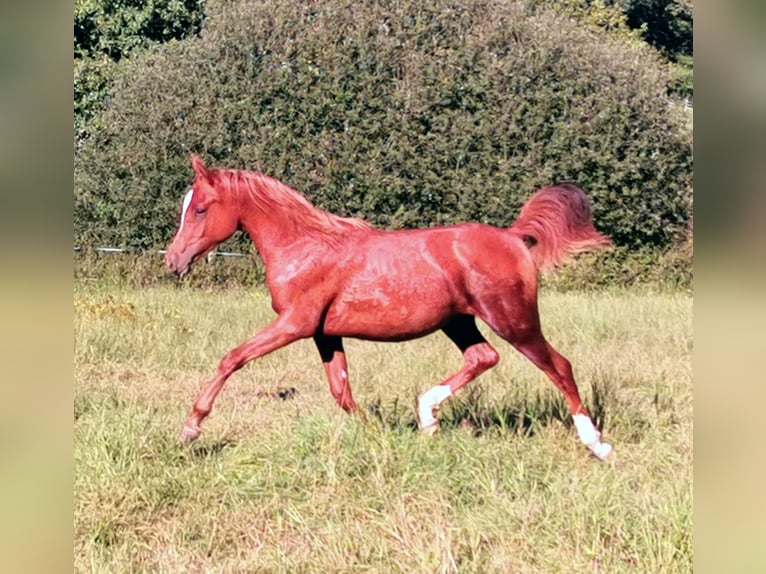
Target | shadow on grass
(519,415)
(207,450)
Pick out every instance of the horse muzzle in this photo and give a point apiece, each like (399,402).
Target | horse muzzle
(177,265)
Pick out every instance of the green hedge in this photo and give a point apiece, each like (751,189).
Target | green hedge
(405,114)
(106,31)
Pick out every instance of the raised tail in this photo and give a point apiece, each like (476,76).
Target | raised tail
(556,224)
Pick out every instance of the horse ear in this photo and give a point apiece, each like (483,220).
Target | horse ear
(199,167)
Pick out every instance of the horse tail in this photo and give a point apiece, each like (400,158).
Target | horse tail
(556,224)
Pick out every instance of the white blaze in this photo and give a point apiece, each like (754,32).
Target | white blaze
(185,206)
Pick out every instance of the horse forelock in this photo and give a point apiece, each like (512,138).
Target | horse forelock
(275,198)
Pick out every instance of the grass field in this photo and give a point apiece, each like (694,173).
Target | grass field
(296,485)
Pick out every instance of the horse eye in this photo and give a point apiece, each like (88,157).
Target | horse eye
(200,211)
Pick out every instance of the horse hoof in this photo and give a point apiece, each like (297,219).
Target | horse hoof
(431,429)
(189,434)
(603,451)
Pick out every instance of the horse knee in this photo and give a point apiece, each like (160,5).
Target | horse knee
(231,363)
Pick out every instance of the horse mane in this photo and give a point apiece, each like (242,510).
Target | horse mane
(268,194)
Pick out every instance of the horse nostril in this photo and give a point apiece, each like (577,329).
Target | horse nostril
(171,262)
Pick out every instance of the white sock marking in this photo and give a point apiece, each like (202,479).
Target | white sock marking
(431,400)
(602,450)
(588,433)
(185,206)
(590,436)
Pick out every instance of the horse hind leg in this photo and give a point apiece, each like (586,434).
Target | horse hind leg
(334,361)
(478,356)
(559,371)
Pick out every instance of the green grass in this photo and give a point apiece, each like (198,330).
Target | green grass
(298,486)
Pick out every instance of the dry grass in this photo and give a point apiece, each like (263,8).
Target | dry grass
(297,486)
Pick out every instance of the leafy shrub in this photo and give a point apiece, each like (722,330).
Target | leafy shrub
(147,269)
(105,31)
(405,114)
(668,269)
(115,28)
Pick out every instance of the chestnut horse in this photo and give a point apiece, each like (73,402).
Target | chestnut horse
(332,277)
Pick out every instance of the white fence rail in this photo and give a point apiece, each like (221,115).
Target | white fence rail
(211,255)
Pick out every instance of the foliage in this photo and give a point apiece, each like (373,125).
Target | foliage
(683,76)
(669,269)
(607,16)
(147,269)
(91,89)
(403,114)
(115,28)
(664,24)
(668,25)
(106,31)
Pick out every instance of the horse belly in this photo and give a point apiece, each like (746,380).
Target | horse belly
(390,310)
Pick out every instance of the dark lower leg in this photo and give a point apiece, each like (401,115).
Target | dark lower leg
(334,362)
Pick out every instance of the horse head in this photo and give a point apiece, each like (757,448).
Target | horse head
(207,218)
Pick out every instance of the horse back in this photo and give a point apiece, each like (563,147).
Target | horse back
(403,284)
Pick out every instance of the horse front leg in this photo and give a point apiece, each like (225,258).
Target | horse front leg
(334,361)
(283,331)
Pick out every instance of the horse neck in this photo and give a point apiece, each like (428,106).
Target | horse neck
(274,216)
